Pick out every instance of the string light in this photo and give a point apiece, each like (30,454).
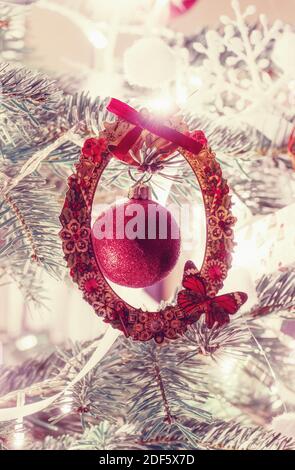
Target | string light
(19,436)
(19,432)
(67,404)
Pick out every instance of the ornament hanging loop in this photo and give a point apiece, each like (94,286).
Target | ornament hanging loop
(140,191)
(143,179)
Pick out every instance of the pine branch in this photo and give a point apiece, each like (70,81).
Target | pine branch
(29,220)
(265,366)
(5,430)
(227,142)
(64,442)
(30,372)
(76,113)
(12,31)
(98,395)
(107,436)
(215,436)
(276,293)
(267,184)
(85,114)
(260,387)
(199,340)
(167,392)
(19,85)
(162,392)
(27,98)
(233,436)
(229,340)
(27,279)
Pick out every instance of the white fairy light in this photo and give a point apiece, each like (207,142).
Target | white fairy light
(226,371)
(227,366)
(97,39)
(66,408)
(67,404)
(26,343)
(181,95)
(18,437)
(196,81)
(161,104)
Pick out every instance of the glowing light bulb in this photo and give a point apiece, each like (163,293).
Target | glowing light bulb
(97,38)
(18,439)
(227,365)
(67,404)
(161,104)
(196,81)
(26,343)
(181,95)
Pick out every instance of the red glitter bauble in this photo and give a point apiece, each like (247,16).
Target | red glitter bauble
(137,243)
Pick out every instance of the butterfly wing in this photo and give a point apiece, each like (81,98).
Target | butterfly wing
(191,299)
(192,279)
(231,302)
(222,306)
(194,301)
(187,302)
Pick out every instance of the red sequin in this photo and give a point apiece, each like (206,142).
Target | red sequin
(93,149)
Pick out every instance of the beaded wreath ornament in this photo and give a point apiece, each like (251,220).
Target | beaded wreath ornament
(122,139)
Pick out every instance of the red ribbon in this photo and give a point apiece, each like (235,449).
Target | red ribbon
(181,7)
(126,112)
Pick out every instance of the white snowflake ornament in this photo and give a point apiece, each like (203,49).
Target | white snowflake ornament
(234,65)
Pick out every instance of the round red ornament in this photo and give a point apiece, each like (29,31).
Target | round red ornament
(137,243)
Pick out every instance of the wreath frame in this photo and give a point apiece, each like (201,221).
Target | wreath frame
(169,322)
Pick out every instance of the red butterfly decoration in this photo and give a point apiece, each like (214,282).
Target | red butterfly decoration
(194,301)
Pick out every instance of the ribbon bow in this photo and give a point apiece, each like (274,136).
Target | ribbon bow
(154,126)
